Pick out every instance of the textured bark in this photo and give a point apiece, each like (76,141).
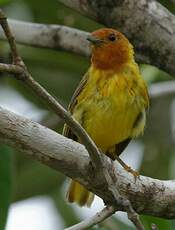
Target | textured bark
(149,26)
(147,195)
(49,36)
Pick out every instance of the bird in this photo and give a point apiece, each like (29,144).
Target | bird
(110,102)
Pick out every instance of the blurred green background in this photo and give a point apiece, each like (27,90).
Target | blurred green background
(59,72)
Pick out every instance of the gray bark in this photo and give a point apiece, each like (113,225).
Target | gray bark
(147,195)
(49,36)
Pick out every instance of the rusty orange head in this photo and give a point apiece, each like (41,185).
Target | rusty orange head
(110,49)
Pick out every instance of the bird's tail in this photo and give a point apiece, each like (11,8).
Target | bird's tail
(79,194)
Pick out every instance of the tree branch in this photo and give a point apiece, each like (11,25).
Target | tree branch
(148,196)
(49,36)
(97,218)
(149,26)
(11,40)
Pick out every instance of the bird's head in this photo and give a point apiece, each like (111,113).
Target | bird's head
(110,49)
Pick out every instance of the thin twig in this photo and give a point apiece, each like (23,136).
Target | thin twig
(15,56)
(132,215)
(97,158)
(10,68)
(97,218)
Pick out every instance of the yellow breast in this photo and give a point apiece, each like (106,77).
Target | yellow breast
(109,106)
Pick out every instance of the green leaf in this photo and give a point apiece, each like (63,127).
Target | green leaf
(5,183)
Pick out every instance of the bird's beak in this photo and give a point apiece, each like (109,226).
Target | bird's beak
(95,41)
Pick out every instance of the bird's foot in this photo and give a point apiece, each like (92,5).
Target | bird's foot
(133,172)
(128,168)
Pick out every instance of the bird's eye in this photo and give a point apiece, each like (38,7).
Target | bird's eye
(112,37)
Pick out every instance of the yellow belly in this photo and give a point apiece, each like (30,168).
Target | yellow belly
(109,120)
(108,109)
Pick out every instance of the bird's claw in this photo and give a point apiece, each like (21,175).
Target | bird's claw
(133,172)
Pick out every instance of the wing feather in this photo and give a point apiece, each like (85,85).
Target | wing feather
(67,132)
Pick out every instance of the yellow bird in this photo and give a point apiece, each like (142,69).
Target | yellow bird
(110,101)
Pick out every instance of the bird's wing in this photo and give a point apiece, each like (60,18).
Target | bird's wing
(67,132)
